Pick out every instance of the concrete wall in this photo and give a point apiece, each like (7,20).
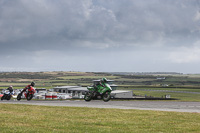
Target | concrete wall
(122,94)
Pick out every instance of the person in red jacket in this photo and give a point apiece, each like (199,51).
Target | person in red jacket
(28,92)
(29,87)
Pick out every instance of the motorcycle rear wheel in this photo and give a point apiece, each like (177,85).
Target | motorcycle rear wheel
(29,97)
(106,97)
(88,97)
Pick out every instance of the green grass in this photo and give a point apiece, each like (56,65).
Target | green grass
(12,83)
(169,89)
(86,77)
(29,118)
(181,96)
(52,79)
(141,91)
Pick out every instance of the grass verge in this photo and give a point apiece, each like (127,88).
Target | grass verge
(31,118)
(181,96)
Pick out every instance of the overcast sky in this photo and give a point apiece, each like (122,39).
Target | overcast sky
(100,35)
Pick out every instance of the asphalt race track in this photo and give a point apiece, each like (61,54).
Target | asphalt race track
(140,105)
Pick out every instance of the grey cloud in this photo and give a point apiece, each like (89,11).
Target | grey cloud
(111,22)
(93,29)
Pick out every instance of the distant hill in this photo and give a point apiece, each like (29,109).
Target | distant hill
(145,73)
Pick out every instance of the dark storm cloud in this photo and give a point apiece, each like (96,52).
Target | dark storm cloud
(151,21)
(62,29)
(97,24)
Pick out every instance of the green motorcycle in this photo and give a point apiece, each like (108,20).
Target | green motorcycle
(101,90)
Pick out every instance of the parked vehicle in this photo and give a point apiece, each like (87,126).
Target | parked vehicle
(29,93)
(98,91)
(7,95)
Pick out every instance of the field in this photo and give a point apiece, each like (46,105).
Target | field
(29,118)
(85,78)
(140,84)
(179,96)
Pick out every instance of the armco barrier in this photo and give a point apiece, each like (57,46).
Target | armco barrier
(54,96)
(48,96)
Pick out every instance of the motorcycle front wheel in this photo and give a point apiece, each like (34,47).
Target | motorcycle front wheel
(88,96)
(19,97)
(8,97)
(29,97)
(2,97)
(106,97)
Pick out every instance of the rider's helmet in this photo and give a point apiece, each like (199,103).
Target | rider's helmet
(33,84)
(104,80)
(11,86)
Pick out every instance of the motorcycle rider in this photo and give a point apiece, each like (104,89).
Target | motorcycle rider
(28,86)
(7,95)
(10,88)
(102,82)
(28,93)
(100,90)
